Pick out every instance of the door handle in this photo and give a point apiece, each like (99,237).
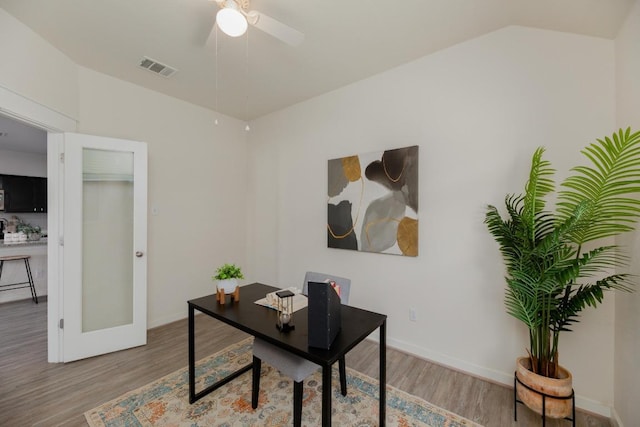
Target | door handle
(139,254)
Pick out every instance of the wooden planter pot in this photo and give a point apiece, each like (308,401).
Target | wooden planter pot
(561,387)
(226,287)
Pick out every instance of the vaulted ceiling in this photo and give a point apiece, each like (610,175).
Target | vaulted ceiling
(345,41)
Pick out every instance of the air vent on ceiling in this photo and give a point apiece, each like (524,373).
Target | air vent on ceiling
(157,67)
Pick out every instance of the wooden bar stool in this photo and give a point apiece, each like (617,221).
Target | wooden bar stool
(19,285)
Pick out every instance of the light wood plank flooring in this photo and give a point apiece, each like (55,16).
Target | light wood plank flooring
(36,393)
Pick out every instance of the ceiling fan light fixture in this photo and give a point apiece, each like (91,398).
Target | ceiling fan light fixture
(231,21)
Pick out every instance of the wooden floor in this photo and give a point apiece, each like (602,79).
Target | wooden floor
(36,393)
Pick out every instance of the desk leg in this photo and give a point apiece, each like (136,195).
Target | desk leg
(193,396)
(192,358)
(383,373)
(326,396)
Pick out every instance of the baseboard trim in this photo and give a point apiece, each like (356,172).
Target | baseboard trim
(174,317)
(615,418)
(503,378)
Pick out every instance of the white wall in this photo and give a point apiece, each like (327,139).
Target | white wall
(197,178)
(23,163)
(477,111)
(32,68)
(627,331)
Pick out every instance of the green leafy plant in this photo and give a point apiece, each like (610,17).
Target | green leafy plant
(228,271)
(28,228)
(550,275)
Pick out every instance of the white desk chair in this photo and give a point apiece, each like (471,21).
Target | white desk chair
(291,365)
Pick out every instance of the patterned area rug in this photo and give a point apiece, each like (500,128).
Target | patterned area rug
(165,402)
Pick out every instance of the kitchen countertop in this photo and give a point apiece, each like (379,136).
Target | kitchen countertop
(41,242)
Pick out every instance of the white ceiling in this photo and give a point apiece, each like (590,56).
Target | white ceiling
(345,41)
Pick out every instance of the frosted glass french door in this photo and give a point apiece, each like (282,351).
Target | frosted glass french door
(104,245)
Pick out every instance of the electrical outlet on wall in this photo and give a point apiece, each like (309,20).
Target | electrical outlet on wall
(412,314)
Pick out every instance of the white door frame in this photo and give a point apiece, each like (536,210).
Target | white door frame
(30,112)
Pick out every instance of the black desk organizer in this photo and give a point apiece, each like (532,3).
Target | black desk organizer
(324,314)
(572,396)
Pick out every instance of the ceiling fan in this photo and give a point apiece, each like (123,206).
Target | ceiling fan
(234,16)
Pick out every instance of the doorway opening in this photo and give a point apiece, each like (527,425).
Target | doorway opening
(23,153)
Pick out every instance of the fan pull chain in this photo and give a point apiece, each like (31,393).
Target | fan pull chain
(216,71)
(246,103)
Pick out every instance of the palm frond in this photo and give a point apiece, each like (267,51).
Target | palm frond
(586,295)
(521,303)
(615,173)
(540,184)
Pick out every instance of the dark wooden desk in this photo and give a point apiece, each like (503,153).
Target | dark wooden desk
(260,322)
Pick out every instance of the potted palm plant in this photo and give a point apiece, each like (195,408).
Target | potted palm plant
(551,274)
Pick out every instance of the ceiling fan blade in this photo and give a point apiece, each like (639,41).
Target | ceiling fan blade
(275,28)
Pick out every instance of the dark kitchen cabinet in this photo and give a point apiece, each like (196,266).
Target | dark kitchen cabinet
(24,193)
(39,194)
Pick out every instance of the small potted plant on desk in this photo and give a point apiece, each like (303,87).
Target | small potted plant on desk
(559,263)
(227,276)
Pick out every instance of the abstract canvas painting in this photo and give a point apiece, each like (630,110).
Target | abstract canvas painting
(373,202)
